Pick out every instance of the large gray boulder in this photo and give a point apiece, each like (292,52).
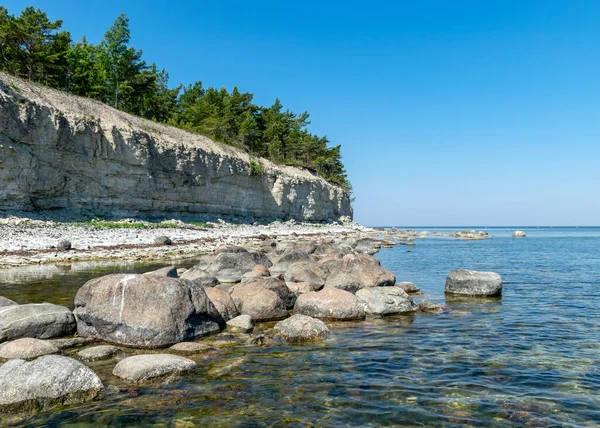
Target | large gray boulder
(6,302)
(286,295)
(223,304)
(144,311)
(357,271)
(385,300)
(473,283)
(309,272)
(330,303)
(27,348)
(46,382)
(200,277)
(260,303)
(288,258)
(367,246)
(237,262)
(149,366)
(38,320)
(301,328)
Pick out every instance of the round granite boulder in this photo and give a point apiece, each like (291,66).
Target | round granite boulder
(473,283)
(385,300)
(330,303)
(260,303)
(46,382)
(100,352)
(357,271)
(38,320)
(301,328)
(142,367)
(27,348)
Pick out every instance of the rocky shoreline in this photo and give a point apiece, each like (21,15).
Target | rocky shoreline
(168,321)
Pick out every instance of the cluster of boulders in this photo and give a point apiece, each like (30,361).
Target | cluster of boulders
(232,289)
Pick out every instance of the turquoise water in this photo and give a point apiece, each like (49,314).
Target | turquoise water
(531,358)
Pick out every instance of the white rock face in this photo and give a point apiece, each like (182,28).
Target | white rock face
(82,157)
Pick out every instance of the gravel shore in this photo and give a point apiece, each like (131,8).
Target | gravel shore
(25,241)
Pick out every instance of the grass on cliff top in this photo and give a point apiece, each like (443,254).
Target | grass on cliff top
(105,224)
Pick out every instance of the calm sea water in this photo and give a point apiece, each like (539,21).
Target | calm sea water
(531,358)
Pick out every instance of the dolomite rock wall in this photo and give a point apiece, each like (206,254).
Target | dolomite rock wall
(67,154)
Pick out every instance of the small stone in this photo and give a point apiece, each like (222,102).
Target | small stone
(96,353)
(408,287)
(27,348)
(162,240)
(431,307)
(188,348)
(141,367)
(242,323)
(63,245)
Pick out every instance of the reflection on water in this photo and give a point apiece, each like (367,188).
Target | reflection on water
(530,358)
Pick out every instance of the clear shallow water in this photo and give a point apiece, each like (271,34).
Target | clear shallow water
(528,359)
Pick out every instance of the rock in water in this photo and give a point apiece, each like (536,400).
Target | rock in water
(385,300)
(357,271)
(432,307)
(189,348)
(27,348)
(242,323)
(518,234)
(144,311)
(301,328)
(46,382)
(100,352)
(409,287)
(473,283)
(330,303)
(142,367)
(6,302)
(260,303)
(38,320)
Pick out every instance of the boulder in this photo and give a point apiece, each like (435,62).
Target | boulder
(223,304)
(229,267)
(256,272)
(276,285)
(200,277)
(204,262)
(163,240)
(242,323)
(63,245)
(260,303)
(429,306)
(38,320)
(229,276)
(367,246)
(46,382)
(309,272)
(299,288)
(144,311)
(473,283)
(518,234)
(385,300)
(101,352)
(333,250)
(305,247)
(408,287)
(330,303)
(142,367)
(301,328)
(189,348)
(6,302)
(27,348)
(357,271)
(230,249)
(288,258)
(168,272)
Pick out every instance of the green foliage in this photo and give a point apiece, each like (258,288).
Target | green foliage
(256,168)
(34,47)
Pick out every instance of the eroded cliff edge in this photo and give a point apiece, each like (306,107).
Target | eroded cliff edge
(67,154)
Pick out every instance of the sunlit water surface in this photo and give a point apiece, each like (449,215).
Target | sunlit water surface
(531,358)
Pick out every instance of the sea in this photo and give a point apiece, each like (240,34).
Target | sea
(530,358)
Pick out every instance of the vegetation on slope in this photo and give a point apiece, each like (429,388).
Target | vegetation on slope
(36,48)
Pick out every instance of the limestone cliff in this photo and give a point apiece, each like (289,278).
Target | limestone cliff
(75,155)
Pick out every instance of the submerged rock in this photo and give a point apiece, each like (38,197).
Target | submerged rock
(46,382)
(301,328)
(330,303)
(429,306)
(385,300)
(100,352)
(38,320)
(144,311)
(141,367)
(473,283)
(27,348)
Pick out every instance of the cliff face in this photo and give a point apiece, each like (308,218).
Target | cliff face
(81,157)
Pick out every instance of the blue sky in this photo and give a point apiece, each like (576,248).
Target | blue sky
(448,112)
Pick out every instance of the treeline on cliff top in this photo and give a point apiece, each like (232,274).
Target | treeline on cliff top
(35,48)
